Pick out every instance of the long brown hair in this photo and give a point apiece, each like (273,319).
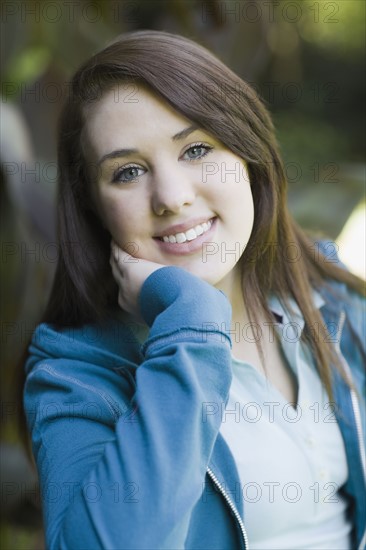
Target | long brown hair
(200,87)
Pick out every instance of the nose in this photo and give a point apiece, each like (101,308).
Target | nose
(172,189)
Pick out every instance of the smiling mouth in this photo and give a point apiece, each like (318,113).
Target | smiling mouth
(189,235)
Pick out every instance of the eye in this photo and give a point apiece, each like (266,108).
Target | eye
(197,151)
(128,173)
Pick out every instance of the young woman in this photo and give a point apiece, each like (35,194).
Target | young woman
(198,378)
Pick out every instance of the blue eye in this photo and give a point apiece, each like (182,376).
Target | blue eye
(127,174)
(197,151)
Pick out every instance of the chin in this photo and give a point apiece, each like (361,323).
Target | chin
(207,272)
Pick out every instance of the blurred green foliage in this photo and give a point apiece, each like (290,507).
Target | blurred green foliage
(341,27)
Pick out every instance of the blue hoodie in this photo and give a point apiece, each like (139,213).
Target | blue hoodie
(125,456)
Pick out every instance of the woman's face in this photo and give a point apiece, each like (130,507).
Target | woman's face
(167,192)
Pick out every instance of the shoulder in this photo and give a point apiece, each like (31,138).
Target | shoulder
(349,298)
(343,306)
(104,343)
(70,369)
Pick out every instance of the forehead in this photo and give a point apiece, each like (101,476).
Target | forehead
(130,112)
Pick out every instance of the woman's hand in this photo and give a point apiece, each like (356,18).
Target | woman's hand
(130,274)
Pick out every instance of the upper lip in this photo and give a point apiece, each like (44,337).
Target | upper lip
(182,227)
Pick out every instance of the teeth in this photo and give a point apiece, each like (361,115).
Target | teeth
(189,235)
(181,238)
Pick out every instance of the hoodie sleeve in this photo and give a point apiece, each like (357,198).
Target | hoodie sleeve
(123,467)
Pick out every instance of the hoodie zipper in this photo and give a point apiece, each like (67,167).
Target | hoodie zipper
(232,506)
(356,411)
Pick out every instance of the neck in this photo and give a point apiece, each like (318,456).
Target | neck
(231,286)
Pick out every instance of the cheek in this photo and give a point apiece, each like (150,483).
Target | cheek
(246,203)
(118,216)
(234,197)
(237,210)
(245,210)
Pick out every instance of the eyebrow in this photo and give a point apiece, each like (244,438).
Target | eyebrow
(184,133)
(118,153)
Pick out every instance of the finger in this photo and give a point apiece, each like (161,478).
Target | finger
(119,254)
(116,270)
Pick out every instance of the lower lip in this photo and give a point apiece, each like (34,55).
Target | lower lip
(188,247)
